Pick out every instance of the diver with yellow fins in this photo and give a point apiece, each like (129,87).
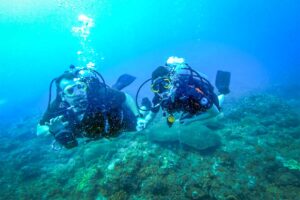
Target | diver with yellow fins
(178,88)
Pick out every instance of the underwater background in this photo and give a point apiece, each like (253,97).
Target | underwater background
(251,153)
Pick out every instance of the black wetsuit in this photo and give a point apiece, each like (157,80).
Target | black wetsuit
(105,116)
(187,97)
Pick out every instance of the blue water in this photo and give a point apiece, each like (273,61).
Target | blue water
(251,153)
(258,41)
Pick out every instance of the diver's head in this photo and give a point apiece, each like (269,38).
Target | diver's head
(161,71)
(161,82)
(72,90)
(177,66)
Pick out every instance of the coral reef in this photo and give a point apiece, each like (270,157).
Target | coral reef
(252,153)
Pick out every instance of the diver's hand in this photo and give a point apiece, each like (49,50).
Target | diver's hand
(56,124)
(141,124)
(42,130)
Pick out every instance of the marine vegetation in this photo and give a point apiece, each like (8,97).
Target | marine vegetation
(251,153)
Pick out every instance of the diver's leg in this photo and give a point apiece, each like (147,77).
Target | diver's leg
(221,98)
(131,104)
(130,114)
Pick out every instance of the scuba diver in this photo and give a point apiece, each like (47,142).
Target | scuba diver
(86,109)
(178,88)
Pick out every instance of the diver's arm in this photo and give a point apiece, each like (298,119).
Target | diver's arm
(148,114)
(129,102)
(221,98)
(149,117)
(53,126)
(42,130)
(142,122)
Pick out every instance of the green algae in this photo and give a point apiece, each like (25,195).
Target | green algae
(292,164)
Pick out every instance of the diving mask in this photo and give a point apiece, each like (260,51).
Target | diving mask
(76,89)
(160,85)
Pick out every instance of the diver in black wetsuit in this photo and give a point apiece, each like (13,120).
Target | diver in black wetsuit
(85,107)
(178,88)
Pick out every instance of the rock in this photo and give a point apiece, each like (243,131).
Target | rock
(259,130)
(294,132)
(194,135)
(288,179)
(215,125)
(155,186)
(289,121)
(30,172)
(99,148)
(196,193)
(267,122)
(201,139)
(163,136)
(249,164)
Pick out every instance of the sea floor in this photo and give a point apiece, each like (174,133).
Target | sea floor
(251,153)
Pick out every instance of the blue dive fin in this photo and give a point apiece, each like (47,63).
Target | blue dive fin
(123,81)
(223,82)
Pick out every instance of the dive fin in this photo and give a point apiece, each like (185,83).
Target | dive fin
(123,81)
(223,81)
